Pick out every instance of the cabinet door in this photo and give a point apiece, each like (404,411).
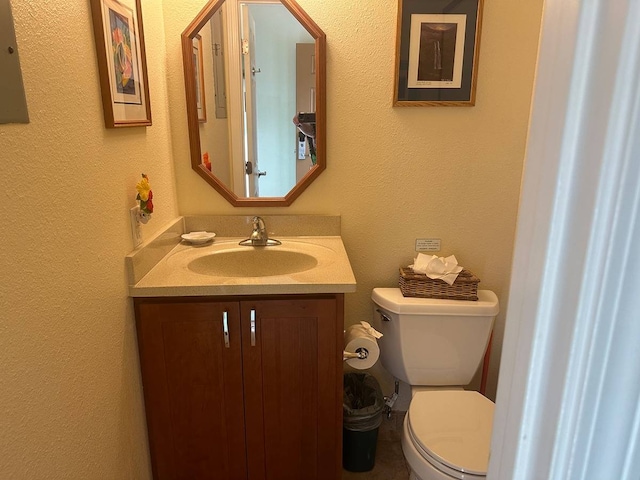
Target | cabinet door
(193,389)
(293,388)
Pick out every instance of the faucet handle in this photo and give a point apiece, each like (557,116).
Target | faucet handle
(258,223)
(259,235)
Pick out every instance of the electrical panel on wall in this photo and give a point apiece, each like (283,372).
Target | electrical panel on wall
(13,102)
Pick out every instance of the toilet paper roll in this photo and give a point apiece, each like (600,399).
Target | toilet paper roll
(355,337)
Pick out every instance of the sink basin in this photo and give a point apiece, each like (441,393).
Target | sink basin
(256,262)
(299,265)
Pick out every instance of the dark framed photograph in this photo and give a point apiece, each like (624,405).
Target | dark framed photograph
(122,64)
(437,47)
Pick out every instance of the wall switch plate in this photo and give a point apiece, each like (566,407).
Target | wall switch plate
(136,232)
(427,244)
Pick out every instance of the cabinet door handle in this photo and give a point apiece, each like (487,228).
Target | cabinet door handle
(225,328)
(253,327)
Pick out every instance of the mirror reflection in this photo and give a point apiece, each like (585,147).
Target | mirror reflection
(255,70)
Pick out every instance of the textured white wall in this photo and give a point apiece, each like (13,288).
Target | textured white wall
(396,174)
(70,393)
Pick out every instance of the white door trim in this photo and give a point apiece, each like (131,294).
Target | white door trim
(568,392)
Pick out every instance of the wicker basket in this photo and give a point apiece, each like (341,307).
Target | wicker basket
(419,285)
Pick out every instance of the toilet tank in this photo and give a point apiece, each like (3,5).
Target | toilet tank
(429,341)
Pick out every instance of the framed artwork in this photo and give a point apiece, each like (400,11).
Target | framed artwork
(122,64)
(437,47)
(199,74)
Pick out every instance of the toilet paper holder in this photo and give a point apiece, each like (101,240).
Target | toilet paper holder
(360,353)
(360,349)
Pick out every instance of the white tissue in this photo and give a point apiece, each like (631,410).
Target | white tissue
(434,267)
(366,326)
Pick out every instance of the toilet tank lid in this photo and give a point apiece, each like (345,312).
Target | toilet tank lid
(392,300)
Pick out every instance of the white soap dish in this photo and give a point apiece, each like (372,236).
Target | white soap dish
(198,238)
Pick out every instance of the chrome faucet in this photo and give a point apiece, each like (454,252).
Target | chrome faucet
(259,236)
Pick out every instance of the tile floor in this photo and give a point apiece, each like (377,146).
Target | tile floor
(390,463)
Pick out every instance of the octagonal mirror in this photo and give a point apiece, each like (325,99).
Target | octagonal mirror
(255,89)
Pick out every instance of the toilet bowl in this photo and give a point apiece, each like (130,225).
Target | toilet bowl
(446,435)
(439,344)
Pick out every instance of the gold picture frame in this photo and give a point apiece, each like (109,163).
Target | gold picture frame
(437,48)
(122,64)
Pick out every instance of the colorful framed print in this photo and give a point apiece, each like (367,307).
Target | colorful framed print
(437,48)
(122,65)
(199,74)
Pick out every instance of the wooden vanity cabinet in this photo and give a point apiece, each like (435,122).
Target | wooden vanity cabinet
(261,403)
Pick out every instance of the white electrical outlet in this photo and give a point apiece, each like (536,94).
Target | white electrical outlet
(427,244)
(136,232)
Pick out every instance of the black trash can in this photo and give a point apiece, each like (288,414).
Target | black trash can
(362,407)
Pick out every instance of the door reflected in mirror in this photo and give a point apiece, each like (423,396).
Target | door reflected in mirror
(254,76)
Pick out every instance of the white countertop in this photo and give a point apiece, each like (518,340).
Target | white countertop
(171,275)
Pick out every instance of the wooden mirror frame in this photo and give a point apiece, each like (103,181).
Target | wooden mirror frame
(192,114)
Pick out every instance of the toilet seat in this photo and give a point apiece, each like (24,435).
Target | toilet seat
(451,430)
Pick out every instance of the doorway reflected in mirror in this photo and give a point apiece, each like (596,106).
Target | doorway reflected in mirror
(263,64)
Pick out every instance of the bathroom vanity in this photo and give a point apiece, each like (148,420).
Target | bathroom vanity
(242,375)
(242,387)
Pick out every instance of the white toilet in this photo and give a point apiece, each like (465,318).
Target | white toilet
(436,346)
